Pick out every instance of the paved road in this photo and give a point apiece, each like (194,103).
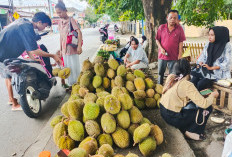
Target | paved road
(17,130)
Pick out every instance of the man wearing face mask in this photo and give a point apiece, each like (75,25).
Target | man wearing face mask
(169,38)
(18,37)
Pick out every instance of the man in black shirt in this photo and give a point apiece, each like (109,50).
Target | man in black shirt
(18,37)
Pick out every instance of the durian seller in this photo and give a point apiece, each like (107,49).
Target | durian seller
(18,37)
(178,95)
(136,57)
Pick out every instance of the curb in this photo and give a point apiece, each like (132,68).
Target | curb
(45,134)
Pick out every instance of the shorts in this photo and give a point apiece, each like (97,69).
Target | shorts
(4,72)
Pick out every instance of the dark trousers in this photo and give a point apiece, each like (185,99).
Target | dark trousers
(162,65)
(185,120)
(202,83)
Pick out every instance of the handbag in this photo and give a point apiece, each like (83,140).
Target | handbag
(72,37)
(201,72)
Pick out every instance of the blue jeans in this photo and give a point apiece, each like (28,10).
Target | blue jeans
(162,65)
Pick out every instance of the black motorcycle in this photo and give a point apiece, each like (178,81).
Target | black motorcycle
(116,29)
(31,82)
(104,34)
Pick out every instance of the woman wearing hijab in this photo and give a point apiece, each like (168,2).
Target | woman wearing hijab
(216,57)
(178,91)
(70,53)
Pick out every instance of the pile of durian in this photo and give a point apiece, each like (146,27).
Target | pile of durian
(103,111)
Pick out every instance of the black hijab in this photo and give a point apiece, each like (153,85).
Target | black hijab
(216,48)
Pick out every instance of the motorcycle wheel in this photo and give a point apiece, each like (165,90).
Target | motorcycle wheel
(31,107)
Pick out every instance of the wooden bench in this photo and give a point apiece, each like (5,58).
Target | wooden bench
(225,98)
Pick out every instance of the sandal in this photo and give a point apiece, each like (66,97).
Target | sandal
(195,136)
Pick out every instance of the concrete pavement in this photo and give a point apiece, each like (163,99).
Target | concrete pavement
(18,132)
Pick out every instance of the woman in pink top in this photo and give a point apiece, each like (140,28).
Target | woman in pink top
(69,53)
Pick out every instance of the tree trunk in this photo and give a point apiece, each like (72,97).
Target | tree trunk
(155,14)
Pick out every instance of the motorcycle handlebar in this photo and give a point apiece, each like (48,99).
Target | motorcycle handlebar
(14,60)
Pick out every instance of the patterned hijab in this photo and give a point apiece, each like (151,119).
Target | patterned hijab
(216,48)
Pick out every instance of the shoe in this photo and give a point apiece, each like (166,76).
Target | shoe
(9,103)
(17,109)
(194,136)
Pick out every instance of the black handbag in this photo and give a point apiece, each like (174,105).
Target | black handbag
(201,72)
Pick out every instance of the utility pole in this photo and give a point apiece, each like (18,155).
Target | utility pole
(11,10)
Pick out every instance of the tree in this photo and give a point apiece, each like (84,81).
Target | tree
(90,16)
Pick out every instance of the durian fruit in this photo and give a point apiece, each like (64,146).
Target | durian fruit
(121,138)
(56,120)
(130,86)
(106,83)
(141,133)
(145,120)
(91,111)
(132,155)
(87,65)
(64,73)
(121,71)
(132,128)
(79,78)
(123,119)
(106,150)
(65,142)
(118,155)
(125,101)
(157,133)
(150,93)
(98,59)
(166,155)
(139,73)
(75,109)
(103,94)
(139,94)
(105,139)
(92,128)
(97,156)
(100,89)
(99,69)
(158,103)
(140,103)
(58,131)
(78,152)
(75,89)
(91,88)
(130,77)
(76,130)
(157,96)
(124,90)
(149,83)
(119,81)
(159,88)
(74,97)
(113,64)
(112,84)
(83,91)
(147,146)
(85,79)
(116,91)
(90,98)
(112,104)
(89,144)
(150,102)
(135,115)
(111,73)
(139,83)
(108,123)
(64,109)
(100,102)
(97,81)
(55,71)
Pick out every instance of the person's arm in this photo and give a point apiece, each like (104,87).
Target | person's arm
(160,47)
(203,56)
(133,63)
(77,29)
(180,50)
(125,59)
(44,54)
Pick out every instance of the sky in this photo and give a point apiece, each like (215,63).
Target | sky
(69,3)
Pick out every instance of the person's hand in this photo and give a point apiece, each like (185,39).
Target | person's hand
(206,66)
(179,57)
(163,51)
(125,61)
(200,63)
(79,50)
(215,93)
(128,65)
(58,53)
(57,60)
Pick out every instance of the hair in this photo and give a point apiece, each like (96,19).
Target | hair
(41,16)
(183,67)
(135,40)
(60,5)
(173,11)
(144,37)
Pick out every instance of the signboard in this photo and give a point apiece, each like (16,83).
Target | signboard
(16,15)
(3,11)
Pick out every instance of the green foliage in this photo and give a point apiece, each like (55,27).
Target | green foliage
(201,12)
(90,16)
(104,54)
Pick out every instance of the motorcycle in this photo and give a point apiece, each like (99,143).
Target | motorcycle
(116,29)
(104,34)
(31,81)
